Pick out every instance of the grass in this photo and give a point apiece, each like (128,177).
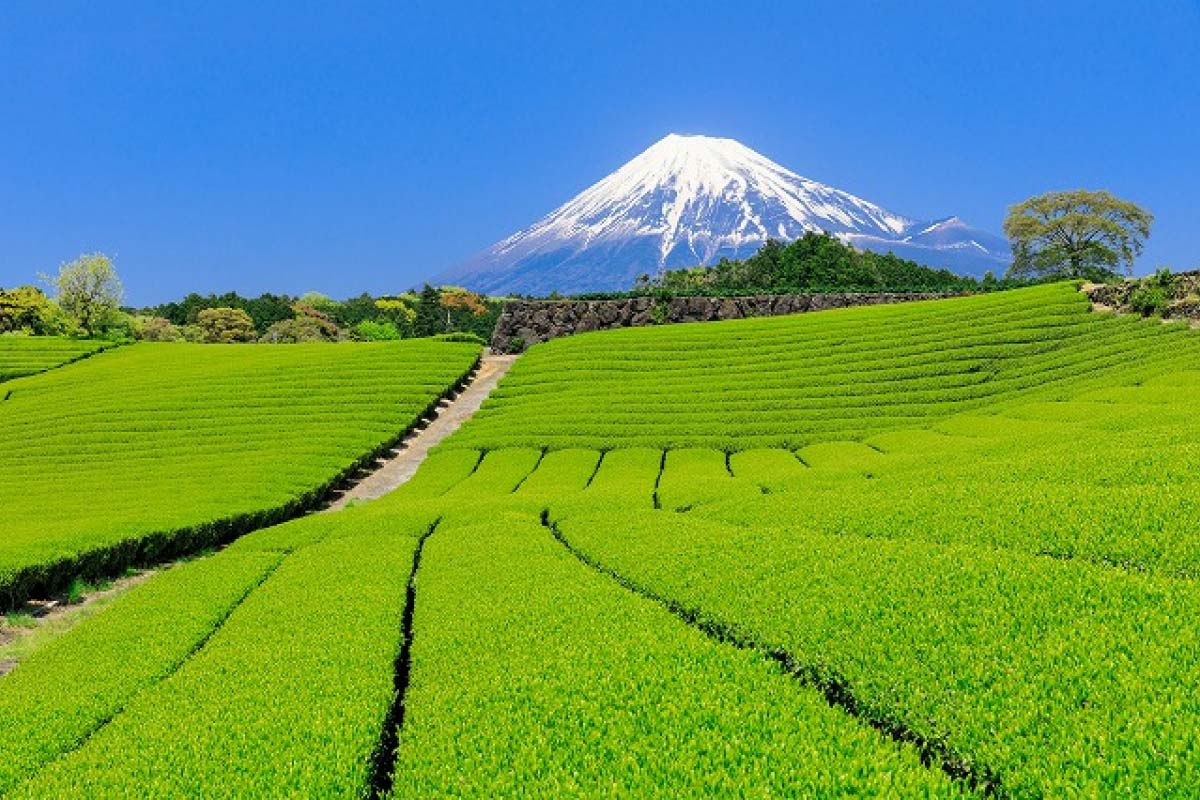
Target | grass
(152,451)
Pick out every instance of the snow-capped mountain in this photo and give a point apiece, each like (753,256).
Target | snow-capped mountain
(691,200)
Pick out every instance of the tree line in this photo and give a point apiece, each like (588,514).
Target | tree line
(88,295)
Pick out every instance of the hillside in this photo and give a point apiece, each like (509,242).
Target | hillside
(157,449)
(791,381)
(944,549)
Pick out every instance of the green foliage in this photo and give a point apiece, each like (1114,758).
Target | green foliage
(76,591)
(157,449)
(1148,300)
(428,319)
(89,290)
(44,709)
(814,262)
(274,317)
(265,310)
(160,329)
(27,310)
(658,313)
(461,336)
(15,619)
(1075,234)
(225,325)
(307,658)
(535,675)
(371,331)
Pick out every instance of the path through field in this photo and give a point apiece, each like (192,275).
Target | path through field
(412,451)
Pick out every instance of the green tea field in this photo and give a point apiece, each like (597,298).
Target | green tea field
(938,549)
(156,449)
(29,355)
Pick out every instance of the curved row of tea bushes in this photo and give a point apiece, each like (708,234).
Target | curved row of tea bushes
(535,676)
(1052,678)
(1110,482)
(264,670)
(29,355)
(154,450)
(289,698)
(793,381)
(68,688)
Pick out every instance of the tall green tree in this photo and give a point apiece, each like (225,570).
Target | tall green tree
(429,317)
(89,290)
(1075,234)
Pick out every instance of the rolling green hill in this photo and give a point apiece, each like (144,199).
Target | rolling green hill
(792,381)
(157,449)
(942,549)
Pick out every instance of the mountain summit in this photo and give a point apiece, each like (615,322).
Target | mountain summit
(691,200)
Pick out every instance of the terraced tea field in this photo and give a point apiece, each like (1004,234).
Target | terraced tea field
(937,550)
(157,449)
(29,355)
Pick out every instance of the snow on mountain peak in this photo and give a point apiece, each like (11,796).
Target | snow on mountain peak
(703,194)
(684,201)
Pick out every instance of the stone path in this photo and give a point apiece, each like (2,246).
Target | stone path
(398,468)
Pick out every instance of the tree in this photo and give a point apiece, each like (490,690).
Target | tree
(1075,234)
(396,311)
(89,290)
(159,329)
(370,330)
(428,320)
(26,309)
(225,325)
(455,298)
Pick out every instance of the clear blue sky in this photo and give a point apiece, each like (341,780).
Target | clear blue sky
(351,146)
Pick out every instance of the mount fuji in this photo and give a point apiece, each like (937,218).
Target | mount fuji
(692,200)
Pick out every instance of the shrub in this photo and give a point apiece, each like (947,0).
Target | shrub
(225,325)
(26,309)
(370,330)
(1149,300)
(461,336)
(158,329)
(300,329)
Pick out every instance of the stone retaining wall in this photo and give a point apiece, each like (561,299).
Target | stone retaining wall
(524,323)
(1180,294)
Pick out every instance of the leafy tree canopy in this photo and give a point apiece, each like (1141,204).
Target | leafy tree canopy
(1075,234)
(225,325)
(26,309)
(89,290)
(814,262)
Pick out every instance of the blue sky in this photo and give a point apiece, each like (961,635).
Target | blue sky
(352,146)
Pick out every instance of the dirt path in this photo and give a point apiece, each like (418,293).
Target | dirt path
(398,468)
(37,622)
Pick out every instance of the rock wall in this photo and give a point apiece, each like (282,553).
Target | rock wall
(524,323)
(1174,296)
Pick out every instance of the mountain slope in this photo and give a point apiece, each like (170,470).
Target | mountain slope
(690,200)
